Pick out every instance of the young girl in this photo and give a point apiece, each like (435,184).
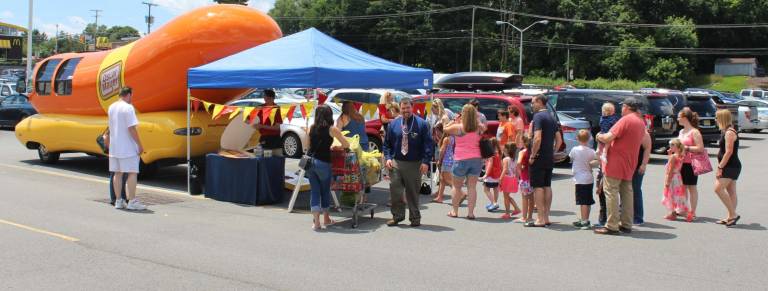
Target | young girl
(492,176)
(525,180)
(509,183)
(674,191)
(445,164)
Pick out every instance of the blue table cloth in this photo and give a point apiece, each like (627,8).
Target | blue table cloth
(251,181)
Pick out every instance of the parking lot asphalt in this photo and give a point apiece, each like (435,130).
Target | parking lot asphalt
(57,232)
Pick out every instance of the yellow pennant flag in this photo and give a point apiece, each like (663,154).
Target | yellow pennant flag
(235,112)
(428,109)
(369,109)
(309,106)
(284,111)
(216,110)
(247,112)
(272,116)
(207,106)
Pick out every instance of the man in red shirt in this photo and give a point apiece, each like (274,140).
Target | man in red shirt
(625,138)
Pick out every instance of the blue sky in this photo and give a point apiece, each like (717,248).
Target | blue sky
(73,15)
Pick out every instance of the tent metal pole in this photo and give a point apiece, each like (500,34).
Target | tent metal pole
(189,145)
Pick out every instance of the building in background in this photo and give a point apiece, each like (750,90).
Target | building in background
(736,67)
(11,44)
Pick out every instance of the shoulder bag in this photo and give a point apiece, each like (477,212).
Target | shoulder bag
(700,163)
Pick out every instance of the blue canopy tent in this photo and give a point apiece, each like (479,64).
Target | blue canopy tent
(307,59)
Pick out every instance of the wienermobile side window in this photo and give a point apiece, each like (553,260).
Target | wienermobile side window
(44,75)
(63,83)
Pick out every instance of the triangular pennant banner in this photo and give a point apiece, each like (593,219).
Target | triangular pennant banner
(235,112)
(321,98)
(217,110)
(247,113)
(207,106)
(357,105)
(272,116)
(418,109)
(227,109)
(308,107)
(284,111)
(369,110)
(429,108)
(291,110)
(254,114)
(265,112)
(195,104)
(382,110)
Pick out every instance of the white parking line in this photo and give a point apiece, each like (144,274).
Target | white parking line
(102,181)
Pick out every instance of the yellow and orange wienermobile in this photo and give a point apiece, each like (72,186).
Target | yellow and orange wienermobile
(73,91)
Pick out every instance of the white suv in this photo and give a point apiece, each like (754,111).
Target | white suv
(756,93)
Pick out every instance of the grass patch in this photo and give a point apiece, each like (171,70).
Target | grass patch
(599,83)
(719,83)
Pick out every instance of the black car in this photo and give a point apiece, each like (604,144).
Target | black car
(13,109)
(705,107)
(585,104)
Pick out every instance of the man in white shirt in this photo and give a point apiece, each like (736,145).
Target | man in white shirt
(124,149)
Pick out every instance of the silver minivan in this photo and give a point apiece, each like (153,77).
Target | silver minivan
(756,93)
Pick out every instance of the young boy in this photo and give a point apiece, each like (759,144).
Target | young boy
(505,130)
(583,158)
(608,119)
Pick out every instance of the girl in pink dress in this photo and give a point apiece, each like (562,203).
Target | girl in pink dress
(674,191)
(525,181)
(509,182)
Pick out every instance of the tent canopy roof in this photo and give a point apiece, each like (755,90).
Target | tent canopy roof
(308,59)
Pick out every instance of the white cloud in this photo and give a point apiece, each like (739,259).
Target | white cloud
(74,24)
(262,5)
(5,14)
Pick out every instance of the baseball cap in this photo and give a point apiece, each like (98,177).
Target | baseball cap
(632,103)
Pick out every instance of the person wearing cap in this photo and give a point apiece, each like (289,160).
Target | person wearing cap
(625,138)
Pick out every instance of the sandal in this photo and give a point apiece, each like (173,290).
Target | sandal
(331,223)
(470,217)
(452,215)
(722,221)
(671,217)
(440,201)
(732,222)
(690,217)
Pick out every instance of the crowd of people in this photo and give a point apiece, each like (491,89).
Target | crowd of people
(523,162)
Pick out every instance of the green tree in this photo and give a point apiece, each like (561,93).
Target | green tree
(671,72)
(631,59)
(116,33)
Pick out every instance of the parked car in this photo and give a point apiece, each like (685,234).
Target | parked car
(294,133)
(490,103)
(726,98)
(755,120)
(14,109)
(570,127)
(586,104)
(756,93)
(705,106)
(7,89)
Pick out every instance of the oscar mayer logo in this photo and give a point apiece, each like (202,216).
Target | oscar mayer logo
(110,81)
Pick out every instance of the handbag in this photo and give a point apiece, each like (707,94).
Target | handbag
(425,189)
(305,163)
(486,148)
(700,163)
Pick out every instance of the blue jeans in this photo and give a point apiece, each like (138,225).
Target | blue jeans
(320,185)
(637,183)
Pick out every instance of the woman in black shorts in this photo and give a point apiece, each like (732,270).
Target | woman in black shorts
(728,166)
(691,138)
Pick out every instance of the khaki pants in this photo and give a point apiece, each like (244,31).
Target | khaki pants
(619,192)
(405,178)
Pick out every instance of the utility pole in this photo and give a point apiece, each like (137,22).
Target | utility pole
(472,40)
(96,27)
(568,62)
(149,19)
(29,48)
(56,38)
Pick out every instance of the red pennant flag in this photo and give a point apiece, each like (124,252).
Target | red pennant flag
(321,97)
(419,109)
(255,113)
(289,115)
(357,105)
(303,111)
(227,110)
(382,110)
(265,112)
(195,105)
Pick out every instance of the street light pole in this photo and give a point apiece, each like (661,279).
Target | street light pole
(472,40)
(56,38)
(29,47)
(520,61)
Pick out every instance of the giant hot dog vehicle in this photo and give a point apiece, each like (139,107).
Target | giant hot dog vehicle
(73,91)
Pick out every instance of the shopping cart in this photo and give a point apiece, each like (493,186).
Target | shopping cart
(349,176)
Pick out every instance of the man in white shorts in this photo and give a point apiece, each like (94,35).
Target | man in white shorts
(124,149)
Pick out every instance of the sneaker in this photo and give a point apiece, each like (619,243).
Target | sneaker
(135,204)
(489,206)
(505,216)
(585,225)
(494,207)
(578,224)
(120,204)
